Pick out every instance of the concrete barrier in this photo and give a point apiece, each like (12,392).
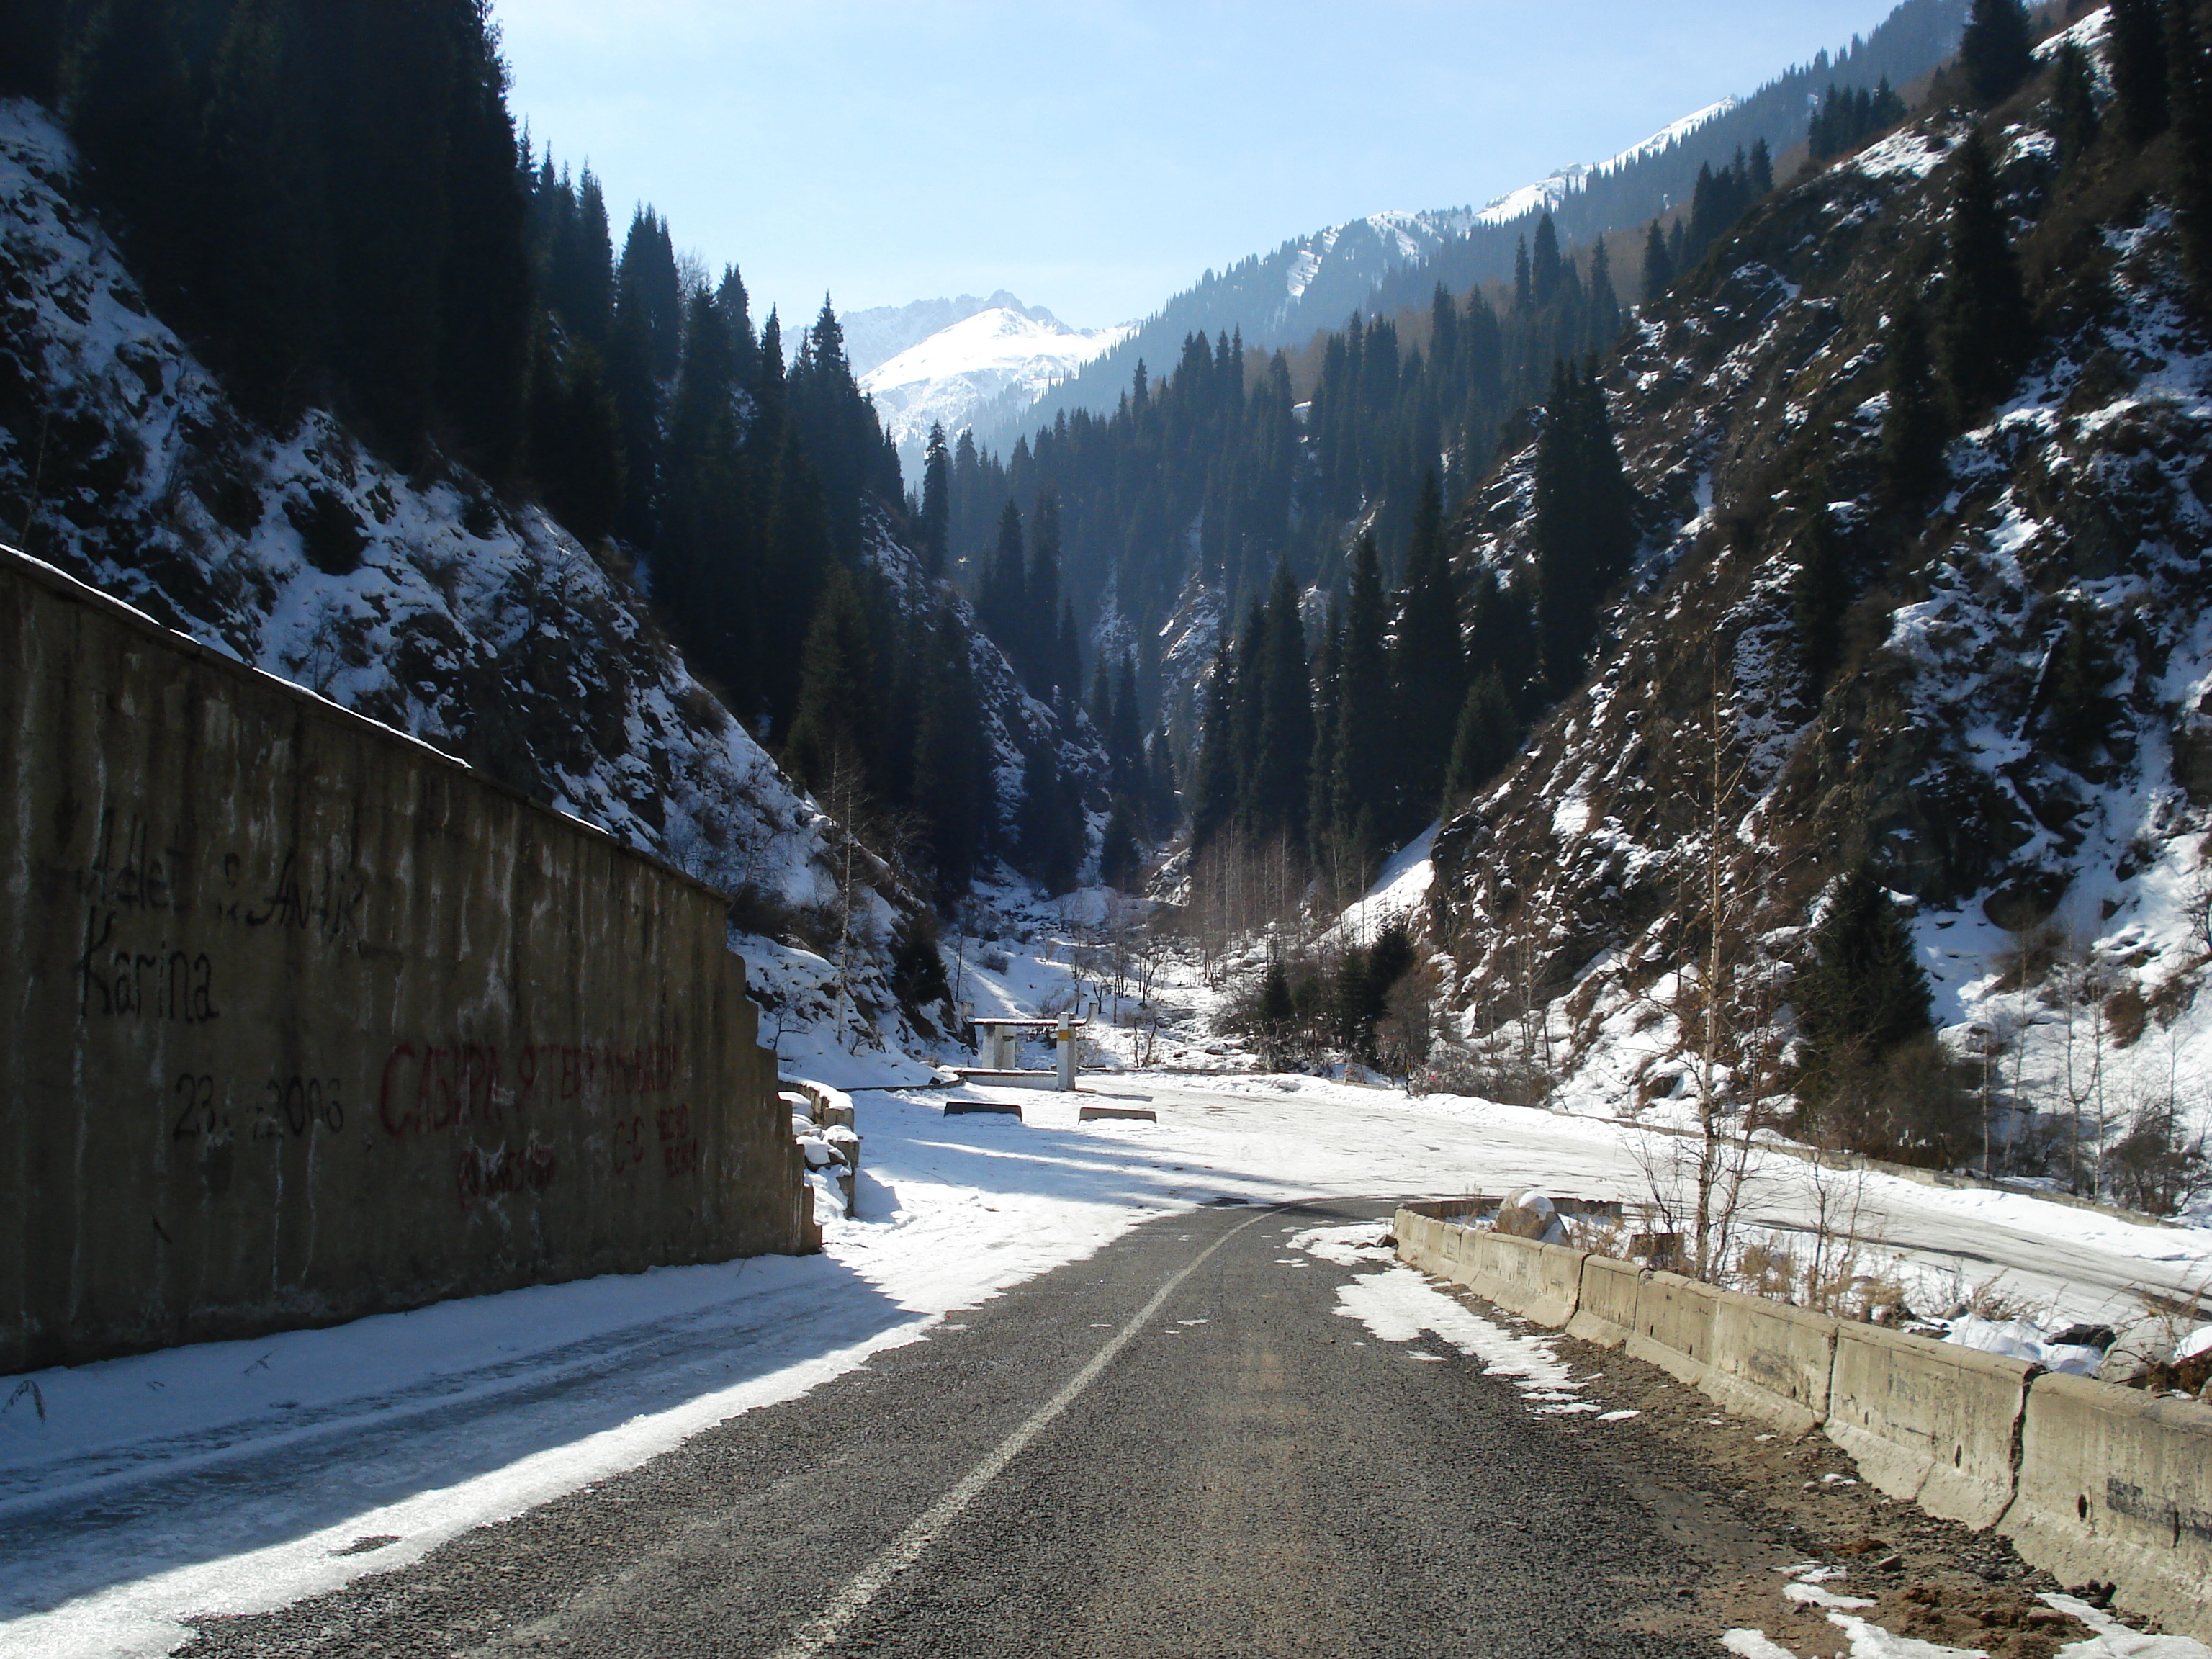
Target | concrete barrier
(2117,1486)
(1542,1282)
(1605,1310)
(2087,1479)
(1929,1421)
(1772,1361)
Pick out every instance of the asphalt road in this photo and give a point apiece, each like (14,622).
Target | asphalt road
(1176,1447)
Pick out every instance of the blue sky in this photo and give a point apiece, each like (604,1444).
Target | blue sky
(1094,158)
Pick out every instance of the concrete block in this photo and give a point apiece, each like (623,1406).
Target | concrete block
(2115,1485)
(1772,1361)
(1673,1327)
(1929,1421)
(1605,1310)
(1542,1282)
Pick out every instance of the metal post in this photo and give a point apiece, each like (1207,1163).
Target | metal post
(1066,1036)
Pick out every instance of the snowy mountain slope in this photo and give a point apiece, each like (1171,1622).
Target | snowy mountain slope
(421,601)
(2057,898)
(1003,351)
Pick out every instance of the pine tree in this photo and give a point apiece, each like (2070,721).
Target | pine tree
(1485,742)
(1322,769)
(576,445)
(1501,638)
(1658,266)
(1524,292)
(1367,730)
(953,790)
(1428,668)
(1544,263)
(1986,331)
(646,282)
(840,713)
(1997,51)
(1046,842)
(1584,527)
(1276,779)
(2188,96)
(935,527)
(2135,37)
(1125,733)
(1819,596)
(1119,864)
(1864,993)
(1214,787)
(1002,598)
(483,324)
(1039,621)
(1762,171)
(1067,654)
(2075,123)
(1913,431)
(1277,1009)
(1603,304)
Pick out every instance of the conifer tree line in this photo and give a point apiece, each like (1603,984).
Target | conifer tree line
(330,202)
(1337,736)
(1848,117)
(1717,201)
(1343,743)
(1221,470)
(321,196)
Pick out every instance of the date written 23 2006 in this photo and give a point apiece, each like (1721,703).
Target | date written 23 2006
(288,1106)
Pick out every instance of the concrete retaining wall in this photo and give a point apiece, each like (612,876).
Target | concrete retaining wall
(2089,1480)
(2115,1485)
(306,1021)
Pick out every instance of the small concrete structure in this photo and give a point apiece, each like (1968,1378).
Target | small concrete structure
(998,1044)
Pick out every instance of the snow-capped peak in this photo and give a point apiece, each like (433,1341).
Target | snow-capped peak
(947,377)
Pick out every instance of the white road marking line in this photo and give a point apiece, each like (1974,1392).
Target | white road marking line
(902,1551)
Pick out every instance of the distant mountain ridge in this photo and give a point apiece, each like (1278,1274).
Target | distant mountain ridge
(874,337)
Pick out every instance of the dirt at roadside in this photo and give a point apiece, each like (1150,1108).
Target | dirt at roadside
(1762,1509)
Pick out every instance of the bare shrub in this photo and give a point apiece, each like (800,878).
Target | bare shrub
(1484,1072)
(2157,1166)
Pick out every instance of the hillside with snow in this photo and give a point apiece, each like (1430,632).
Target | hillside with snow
(475,624)
(2054,872)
